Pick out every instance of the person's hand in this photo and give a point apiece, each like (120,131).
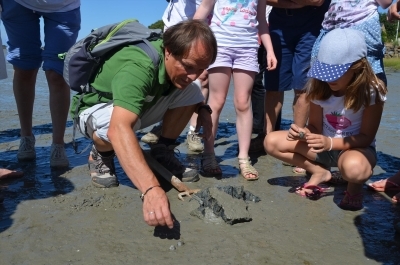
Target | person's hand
(393,12)
(204,120)
(156,208)
(203,78)
(318,142)
(296,133)
(271,61)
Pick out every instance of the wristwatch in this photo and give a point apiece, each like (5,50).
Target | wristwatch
(206,107)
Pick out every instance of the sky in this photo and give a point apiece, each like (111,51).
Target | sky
(97,13)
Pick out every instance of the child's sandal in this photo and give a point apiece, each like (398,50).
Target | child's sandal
(246,168)
(353,202)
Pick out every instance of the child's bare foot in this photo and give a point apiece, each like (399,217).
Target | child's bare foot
(396,198)
(390,184)
(311,188)
(7,174)
(384,185)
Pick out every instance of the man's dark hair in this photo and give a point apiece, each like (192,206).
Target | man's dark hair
(180,37)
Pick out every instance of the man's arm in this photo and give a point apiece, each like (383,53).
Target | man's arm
(155,204)
(292,4)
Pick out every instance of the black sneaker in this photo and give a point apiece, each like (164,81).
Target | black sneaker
(166,156)
(102,170)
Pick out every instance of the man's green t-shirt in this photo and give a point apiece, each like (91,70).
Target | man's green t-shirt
(129,78)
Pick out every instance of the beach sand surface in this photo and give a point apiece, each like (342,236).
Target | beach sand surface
(58,217)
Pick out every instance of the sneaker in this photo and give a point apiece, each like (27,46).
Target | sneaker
(152,136)
(166,156)
(257,144)
(58,157)
(26,150)
(102,170)
(194,142)
(190,175)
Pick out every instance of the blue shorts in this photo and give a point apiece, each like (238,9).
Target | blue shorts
(23,29)
(293,33)
(237,58)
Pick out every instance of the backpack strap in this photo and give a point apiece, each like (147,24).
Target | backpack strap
(150,51)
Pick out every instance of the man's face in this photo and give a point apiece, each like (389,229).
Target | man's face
(183,71)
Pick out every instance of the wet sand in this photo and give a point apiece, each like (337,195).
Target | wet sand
(58,217)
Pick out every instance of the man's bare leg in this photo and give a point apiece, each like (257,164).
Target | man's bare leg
(300,108)
(273,106)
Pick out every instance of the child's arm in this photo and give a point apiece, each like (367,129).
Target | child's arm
(369,126)
(204,9)
(384,3)
(314,125)
(263,31)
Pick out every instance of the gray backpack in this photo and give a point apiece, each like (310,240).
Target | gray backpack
(82,60)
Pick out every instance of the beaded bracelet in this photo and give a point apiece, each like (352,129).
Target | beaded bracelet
(144,193)
(206,107)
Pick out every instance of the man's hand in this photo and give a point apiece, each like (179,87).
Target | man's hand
(204,120)
(156,208)
(393,12)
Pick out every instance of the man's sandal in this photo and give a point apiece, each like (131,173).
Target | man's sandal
(209,165)
(246,168)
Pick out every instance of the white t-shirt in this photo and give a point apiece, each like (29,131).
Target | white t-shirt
(339,122)
(234,24)
(180,10)
(50,6)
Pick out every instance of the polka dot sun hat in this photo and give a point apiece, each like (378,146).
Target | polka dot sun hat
(339,49)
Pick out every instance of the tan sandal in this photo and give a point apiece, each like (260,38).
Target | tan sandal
(247,169)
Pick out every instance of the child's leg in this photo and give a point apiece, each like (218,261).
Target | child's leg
(219,79)
(296,153)
(356,167)
(243,83)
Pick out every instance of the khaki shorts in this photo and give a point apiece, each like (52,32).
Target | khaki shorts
(96,119)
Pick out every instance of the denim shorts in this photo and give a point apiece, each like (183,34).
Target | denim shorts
(293,35)
(242,58)
(23,29)
(330,158)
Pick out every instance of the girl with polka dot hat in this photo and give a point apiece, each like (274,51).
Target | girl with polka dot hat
(346,104)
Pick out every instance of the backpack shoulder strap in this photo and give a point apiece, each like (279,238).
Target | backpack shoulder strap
(150,51)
